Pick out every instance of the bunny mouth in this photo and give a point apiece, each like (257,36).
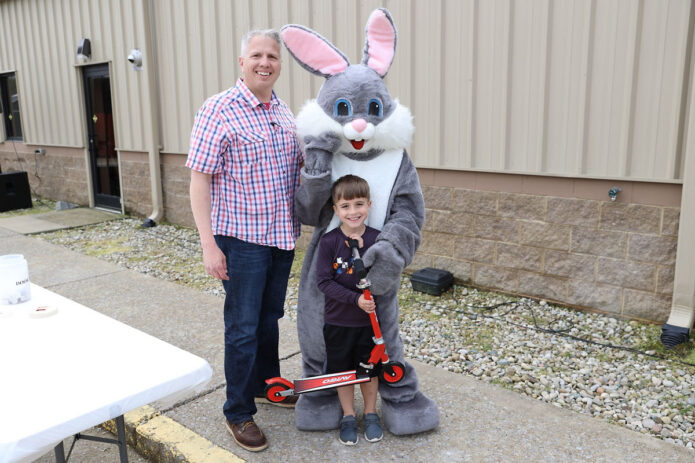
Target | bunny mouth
(357,144)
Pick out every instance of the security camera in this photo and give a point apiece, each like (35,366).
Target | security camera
(135,58)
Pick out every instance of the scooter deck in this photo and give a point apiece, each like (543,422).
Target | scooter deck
(316,383)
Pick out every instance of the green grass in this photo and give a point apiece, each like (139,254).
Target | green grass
(106,247)
(39,206)
(652,342)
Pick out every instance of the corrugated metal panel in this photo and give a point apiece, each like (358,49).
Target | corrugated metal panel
(39,42)
(577,87)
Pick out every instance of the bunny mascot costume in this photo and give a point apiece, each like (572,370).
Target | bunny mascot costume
(355,127)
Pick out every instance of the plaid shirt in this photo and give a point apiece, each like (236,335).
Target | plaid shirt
(253,156)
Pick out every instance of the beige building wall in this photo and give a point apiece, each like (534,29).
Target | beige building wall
(38,41)
(577,88)
(545,104)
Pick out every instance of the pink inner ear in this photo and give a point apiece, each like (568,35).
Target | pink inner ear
(381,37)
(313,51)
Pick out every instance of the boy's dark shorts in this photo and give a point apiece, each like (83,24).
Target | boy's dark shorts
(347,346)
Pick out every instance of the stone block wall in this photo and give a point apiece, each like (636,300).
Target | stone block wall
(608,256)
(136,191)
(176,180)
(60,174)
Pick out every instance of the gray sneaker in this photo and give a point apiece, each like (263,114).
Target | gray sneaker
(348,430)
(372,428)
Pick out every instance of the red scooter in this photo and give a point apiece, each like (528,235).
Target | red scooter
(279,389)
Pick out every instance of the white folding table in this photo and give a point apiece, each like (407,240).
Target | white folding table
(67,368)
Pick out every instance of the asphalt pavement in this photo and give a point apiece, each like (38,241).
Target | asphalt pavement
(479,422)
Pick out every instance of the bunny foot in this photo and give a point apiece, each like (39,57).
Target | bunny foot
(315,412)
(419,414)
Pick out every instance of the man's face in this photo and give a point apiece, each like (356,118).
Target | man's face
(261,65)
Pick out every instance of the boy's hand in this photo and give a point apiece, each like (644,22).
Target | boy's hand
(355,236)
(366,305)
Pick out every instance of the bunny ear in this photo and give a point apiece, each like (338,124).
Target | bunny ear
(313,52)
(380,44)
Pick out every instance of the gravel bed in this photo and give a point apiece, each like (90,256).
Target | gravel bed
(551,353)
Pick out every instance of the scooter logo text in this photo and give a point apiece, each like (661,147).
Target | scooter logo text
(336,379)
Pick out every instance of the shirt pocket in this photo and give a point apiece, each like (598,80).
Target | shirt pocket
(287,146)
(252,147)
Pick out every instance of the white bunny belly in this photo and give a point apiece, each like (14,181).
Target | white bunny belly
(380,172)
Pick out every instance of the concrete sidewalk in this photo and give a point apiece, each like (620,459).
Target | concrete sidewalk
(479,421)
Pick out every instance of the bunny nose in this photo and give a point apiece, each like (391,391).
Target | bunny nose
(359,125)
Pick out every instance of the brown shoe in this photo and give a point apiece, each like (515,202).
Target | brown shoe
(289,402)
(248,435)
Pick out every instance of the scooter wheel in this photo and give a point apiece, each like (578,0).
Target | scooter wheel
(272,392)
(392,372)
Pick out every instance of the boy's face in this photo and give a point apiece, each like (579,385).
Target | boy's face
(352,213)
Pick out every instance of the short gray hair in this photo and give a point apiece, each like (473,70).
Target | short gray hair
(270,33)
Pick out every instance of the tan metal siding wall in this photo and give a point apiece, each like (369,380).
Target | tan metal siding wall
(198,47)
(36,42)
(576,88)
(571,88)
(117,28)
(39,42)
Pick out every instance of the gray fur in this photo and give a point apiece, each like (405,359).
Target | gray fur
(401,402)
(371,154)
(367,86)
(405,409)
(319,152)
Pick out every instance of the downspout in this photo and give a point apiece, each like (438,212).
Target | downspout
(676,330)
(151,90)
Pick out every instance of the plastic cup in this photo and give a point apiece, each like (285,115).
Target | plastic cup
(14,279)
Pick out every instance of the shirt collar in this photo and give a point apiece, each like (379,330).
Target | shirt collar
(252,99)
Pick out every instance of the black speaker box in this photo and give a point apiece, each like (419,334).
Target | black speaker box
(432,280)
(14,191)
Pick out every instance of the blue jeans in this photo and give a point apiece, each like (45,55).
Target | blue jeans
(252,307)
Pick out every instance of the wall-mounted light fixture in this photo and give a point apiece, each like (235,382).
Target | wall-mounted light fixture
(135,58)
(613,193)
(84,50)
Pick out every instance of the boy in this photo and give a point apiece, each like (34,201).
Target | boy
(347,328)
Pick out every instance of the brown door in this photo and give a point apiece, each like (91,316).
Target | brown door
(102,147)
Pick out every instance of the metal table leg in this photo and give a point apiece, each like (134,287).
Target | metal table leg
(121,442)
(60,453)
(120,431)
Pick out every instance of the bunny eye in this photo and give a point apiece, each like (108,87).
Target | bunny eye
(375,108)
(342,108)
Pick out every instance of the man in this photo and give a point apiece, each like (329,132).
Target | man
(244,162)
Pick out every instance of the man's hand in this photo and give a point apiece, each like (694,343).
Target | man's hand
(366,305)
(215,262)
(213,257)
